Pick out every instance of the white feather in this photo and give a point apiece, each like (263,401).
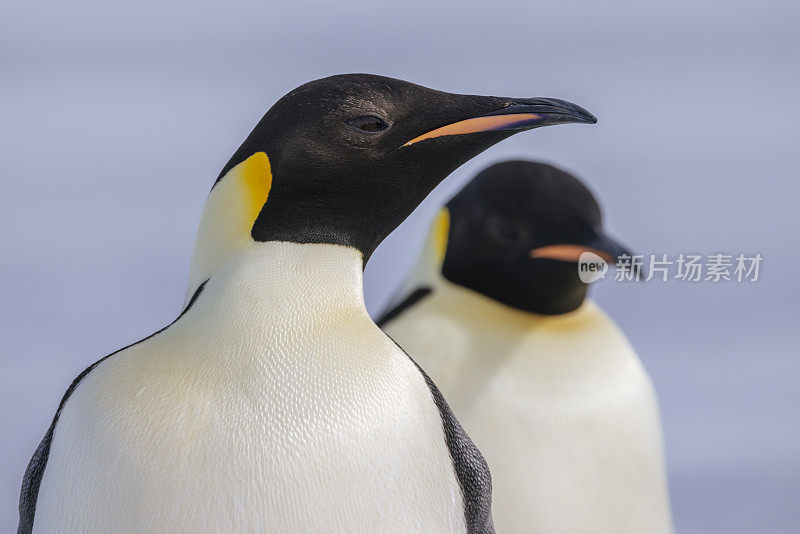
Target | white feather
(273,405)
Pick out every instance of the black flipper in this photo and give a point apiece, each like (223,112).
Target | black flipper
(413,297)
(33,474)
(469,464)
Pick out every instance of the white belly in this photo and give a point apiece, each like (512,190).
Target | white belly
(283,424)
(562,410)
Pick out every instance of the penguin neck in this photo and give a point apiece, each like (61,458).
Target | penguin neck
(475,307)
(516,318)
(276,278)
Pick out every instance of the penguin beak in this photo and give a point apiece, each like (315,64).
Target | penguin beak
(602,245)
(518,115)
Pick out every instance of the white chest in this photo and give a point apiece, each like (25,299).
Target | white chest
(561,408)
(302,417)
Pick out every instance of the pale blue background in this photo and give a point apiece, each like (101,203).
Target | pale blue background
(115,120)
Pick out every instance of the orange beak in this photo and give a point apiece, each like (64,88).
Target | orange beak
(570,253)
(521,114)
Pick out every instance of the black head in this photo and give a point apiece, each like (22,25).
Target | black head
(352,155)
(516,233)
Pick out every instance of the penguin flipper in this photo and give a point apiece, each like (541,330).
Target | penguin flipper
(469,464)
(30,484)
(32,478)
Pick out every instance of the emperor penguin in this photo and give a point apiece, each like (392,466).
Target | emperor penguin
(273,403)
(543,381)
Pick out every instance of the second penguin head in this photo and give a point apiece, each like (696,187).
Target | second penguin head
(515,234)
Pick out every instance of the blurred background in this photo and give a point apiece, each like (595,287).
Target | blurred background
(116,119)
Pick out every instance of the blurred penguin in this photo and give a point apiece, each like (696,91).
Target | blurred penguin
(544,382)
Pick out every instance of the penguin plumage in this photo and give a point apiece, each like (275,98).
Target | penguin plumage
(274,403)
(543,381)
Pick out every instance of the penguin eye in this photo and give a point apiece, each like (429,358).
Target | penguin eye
(506,231)
(368,123)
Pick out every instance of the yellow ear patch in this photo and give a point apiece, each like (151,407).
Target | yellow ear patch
(227,221)
(256,177)
(440,231)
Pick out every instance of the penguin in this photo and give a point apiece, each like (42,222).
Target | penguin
(273,403)
(543,381)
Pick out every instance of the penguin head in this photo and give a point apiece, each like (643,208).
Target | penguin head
(345,159)
(516,232)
